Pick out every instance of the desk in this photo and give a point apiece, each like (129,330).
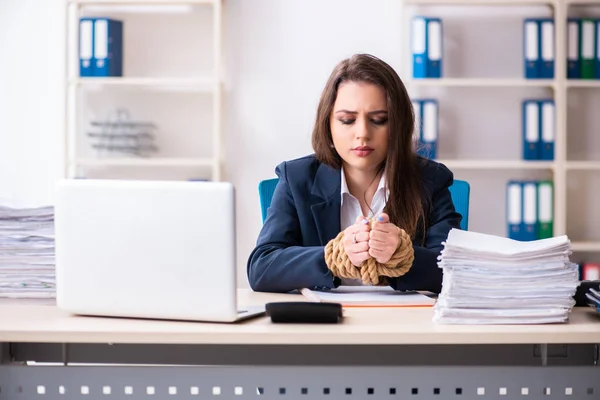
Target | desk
(375,353)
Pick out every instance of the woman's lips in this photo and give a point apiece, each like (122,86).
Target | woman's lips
(362,151)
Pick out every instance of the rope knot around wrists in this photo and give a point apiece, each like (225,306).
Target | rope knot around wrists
(370,270)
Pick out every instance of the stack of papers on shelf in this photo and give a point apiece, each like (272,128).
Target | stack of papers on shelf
(494,280)
(27,252)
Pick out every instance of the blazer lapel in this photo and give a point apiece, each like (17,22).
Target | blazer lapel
(326,209)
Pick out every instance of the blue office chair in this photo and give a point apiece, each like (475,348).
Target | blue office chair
(460,192)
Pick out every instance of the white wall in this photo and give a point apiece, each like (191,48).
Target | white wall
(31,112)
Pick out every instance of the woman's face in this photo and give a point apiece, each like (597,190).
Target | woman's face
(359,125)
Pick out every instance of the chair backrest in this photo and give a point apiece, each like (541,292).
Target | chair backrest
(266,189)
(459,190)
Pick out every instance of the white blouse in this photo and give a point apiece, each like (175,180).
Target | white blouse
(350,210)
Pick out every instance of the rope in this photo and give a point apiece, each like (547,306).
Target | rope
(370,270)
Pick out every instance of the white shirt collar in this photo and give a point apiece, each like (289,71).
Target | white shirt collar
(345,190)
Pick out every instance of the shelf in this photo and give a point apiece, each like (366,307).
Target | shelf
(481,2)
(583,83)
(201,85)
(203,82)
(576,167)
(583,165)
(585,246)
(145,162)
(142,6)
(499,2)
(141,2)
(497,164)
(483,82)
(583,2)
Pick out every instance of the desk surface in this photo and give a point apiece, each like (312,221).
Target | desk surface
(42,321)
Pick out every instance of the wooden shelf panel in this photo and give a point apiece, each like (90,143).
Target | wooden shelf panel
(583,83)
(583,165)
(482,82)
(145,162)
(192,84)
(585,246)
(141,2)
(481,2)
(497,164)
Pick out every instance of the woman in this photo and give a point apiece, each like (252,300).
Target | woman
(363,191)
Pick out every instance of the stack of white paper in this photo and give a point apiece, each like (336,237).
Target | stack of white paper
(494,280)
(27,252)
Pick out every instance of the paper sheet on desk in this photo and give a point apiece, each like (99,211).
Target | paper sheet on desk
(371,296)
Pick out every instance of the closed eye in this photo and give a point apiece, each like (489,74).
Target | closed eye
(373,121)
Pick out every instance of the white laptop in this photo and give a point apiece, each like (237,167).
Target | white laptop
(147,249)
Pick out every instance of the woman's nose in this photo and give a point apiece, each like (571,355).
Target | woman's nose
(362,129)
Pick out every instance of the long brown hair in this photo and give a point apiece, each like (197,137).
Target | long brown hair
(404,206)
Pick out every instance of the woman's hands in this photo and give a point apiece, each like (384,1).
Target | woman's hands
(356,241)
(362,242)
(384,239)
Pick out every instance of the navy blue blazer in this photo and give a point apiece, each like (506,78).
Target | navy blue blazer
(305,215)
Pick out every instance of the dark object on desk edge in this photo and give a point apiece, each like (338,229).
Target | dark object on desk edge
(582,289)
(304,312)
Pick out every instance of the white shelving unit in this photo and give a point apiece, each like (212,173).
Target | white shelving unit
(197,83)
(200,85)
(583,84)
(496,164)
(479,82)
(142,2)
(478,2)
(146,162)
(583,165)
(559,86)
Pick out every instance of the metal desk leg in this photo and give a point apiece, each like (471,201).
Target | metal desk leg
(5,356)
(544,349)
(65,353)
